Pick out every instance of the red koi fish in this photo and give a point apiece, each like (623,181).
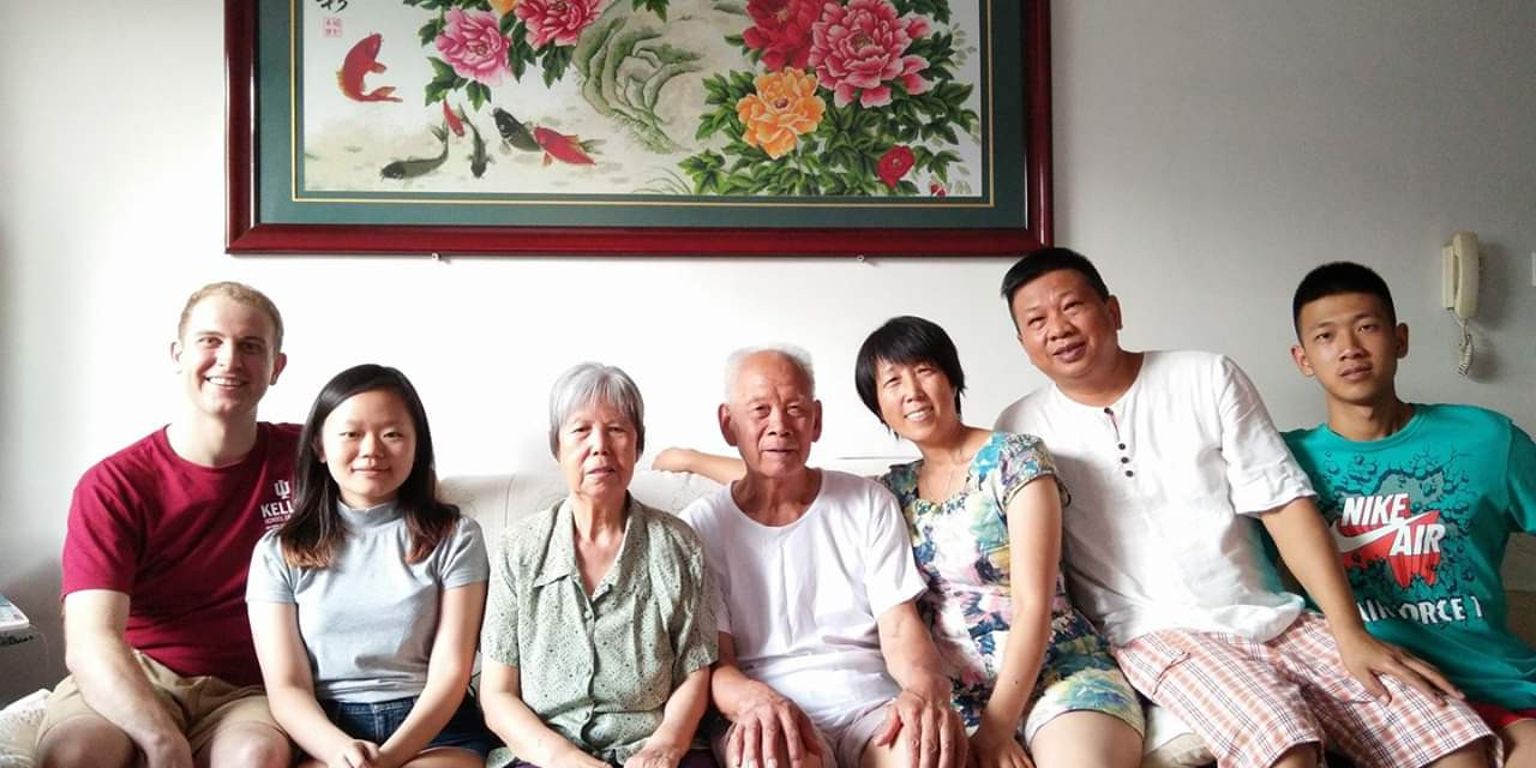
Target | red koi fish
(362,59)
(566,149)
(454,123)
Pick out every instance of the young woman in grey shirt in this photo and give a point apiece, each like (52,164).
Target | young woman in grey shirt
(365,605)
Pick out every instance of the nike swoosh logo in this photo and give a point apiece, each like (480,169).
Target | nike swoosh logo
(1347,544)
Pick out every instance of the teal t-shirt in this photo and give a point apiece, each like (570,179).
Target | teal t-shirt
(1421,520)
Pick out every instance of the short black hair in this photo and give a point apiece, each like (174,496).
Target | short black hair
(1037,263)
(906,339)
(1338,277)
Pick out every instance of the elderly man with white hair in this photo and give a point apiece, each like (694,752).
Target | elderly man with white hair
(823,659)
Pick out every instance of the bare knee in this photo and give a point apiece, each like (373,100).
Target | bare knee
(890,755)
(261,746)
(86,740)
(1519,744)
(1086,738)
(445,758)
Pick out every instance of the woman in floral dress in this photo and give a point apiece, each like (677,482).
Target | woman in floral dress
(984,510)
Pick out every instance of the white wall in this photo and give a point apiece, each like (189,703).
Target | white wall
(1208,153)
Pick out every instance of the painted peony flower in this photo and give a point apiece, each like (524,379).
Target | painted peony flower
(473,45)
(503,7)
(782,31)
(894,164)
(784,108)
(859,48)
(557,21)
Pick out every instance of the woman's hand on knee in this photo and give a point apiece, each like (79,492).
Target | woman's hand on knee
(355,754)
(570,756)
(995,748)
(656,756)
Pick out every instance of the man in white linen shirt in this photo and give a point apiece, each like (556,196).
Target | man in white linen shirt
(1172,461)
(823,659)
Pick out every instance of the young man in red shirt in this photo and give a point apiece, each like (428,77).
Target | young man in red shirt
(159,540)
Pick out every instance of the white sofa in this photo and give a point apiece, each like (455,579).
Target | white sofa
(496,501)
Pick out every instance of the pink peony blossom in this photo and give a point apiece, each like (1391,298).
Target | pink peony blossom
(782,31)
(857,49)
(473,45)
(557,21)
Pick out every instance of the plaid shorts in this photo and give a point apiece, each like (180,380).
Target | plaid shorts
(1252,702)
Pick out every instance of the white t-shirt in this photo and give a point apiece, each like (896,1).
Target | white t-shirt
(1165,485)
(801,600)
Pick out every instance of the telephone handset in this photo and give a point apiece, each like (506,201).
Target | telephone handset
(1461,265)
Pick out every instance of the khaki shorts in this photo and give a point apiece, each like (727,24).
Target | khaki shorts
(201,706)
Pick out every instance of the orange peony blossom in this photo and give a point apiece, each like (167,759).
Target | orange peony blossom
(784,108)
(503,7)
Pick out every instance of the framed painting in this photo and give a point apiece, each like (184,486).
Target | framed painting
(639,127)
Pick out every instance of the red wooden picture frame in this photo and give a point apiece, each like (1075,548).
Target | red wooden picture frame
(247,234)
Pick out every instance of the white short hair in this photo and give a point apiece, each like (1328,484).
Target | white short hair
(796,356)
(587,383)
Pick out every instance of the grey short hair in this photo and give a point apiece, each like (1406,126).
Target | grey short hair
(587,383)
(796,356)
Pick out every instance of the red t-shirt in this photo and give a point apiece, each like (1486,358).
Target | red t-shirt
(177,539)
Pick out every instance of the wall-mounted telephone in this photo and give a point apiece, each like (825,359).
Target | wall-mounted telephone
(1460,265)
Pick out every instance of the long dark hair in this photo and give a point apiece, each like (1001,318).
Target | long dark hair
(311,536)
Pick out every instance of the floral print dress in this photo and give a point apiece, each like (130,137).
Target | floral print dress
(961,546)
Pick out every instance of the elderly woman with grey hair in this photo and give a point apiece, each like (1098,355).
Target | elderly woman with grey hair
(599,627)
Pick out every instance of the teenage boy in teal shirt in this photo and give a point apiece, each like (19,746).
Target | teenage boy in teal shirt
(1421,500)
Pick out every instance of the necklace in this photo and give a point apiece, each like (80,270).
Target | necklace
(939,493)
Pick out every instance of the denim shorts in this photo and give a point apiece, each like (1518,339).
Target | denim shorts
(377,721)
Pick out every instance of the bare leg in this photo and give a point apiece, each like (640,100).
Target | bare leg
(893,755)
(252,744)
(1520,744)
(1087,739)
(1300,756)
(86,740)
(445,757)
(1474,755)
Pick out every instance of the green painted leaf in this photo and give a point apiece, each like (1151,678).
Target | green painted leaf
(478,95)
(441,70)
(555,61)
(435,91)
(658,7)
(430,31)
